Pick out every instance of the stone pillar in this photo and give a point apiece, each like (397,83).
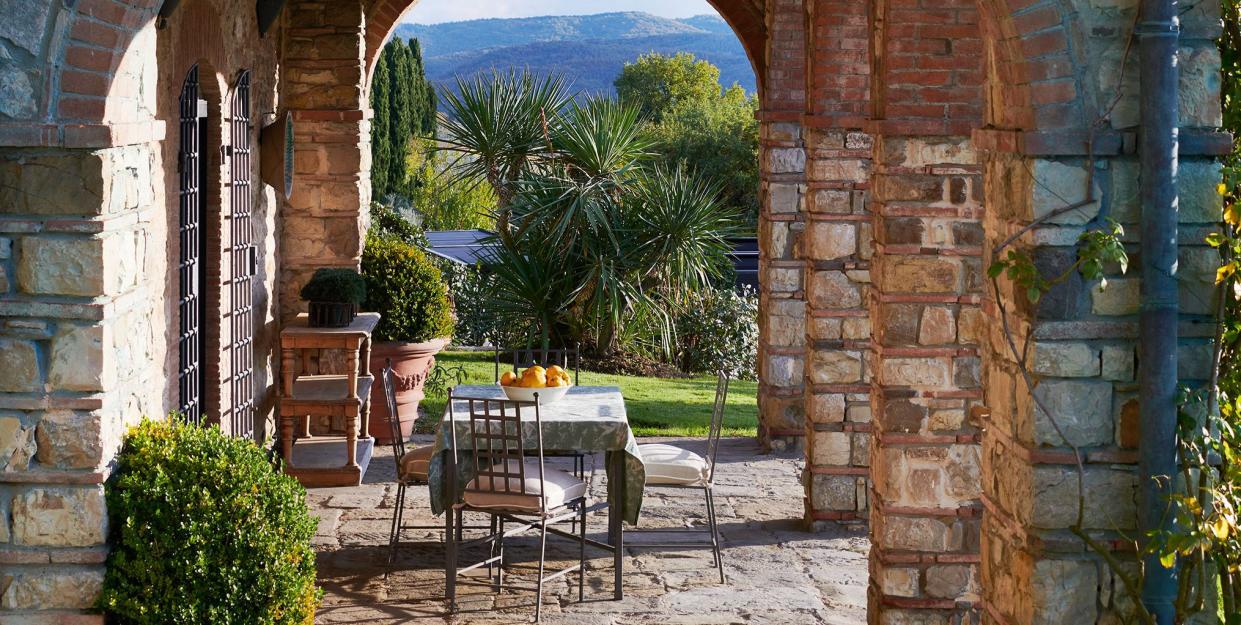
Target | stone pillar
(781,223)
(837,248)
(927,196)
(325,220)
(1080,341)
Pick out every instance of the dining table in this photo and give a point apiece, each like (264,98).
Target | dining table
(587,419)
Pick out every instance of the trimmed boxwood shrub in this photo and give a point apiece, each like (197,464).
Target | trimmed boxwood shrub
(336,285)
(718,329)
(407,290)
(204,530)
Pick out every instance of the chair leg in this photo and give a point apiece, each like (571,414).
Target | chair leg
(492,554)
(581,555)
(394,536)
(538,600)
(500,562)
(715,533)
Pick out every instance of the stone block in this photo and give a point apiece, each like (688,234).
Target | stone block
(72,184)
(831,448)
(858,413)
(1066,299)
(860,442)
(6,248)
(830,240)
(786,160)
(827,408)
(25,23)
(785,198)
(967,371)
(48,266)
(932,372)
(1111,498)
(832,201)
(1065,360)
(53,590)
(1193,361)
(919,274)
(60,517)
(841,169)
(786,323)
(919,152)
(836,367)
(918,534)
(903,415)
(1060,184)
(1121,297)
(17,442)
(899,581)
(1082,408)
(855,328)
(934,477)
(78,359)
(938,326)
(825,328)
(19,366)
(1063,592)
(1199,201)
(833,290)
(833,492)
(1198,70)
(1117,363)
(783,280)
(951,582)
(785,371)
(971,325)
(70,439)
(900,323)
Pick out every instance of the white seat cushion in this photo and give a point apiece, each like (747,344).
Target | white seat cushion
(561,487)
(669,464)
(415,464)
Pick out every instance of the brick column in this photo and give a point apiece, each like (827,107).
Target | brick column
(927,196)
(783,173)
(324,222)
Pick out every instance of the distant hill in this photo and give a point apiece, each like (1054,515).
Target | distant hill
(590,49)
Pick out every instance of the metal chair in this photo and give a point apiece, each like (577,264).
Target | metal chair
(411,468)
(513,488)
(567,358)
(673,467)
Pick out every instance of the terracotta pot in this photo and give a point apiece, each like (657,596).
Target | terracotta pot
(411,364)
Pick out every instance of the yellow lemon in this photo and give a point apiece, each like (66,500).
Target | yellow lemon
(554,369)
(508,378)
(554,381)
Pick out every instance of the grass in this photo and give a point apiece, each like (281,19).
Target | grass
(656,406)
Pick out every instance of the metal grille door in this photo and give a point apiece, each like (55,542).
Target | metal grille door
(242,263)
(192,168)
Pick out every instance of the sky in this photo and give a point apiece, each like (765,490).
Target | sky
(436,11)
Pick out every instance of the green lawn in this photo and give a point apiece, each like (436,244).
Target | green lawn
(656,406)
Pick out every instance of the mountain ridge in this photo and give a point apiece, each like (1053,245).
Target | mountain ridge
(590,50)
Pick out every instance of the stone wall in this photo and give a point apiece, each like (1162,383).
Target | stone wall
(87,297)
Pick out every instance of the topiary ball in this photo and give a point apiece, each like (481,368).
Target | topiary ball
(407,290)
(204,530)
(336,285)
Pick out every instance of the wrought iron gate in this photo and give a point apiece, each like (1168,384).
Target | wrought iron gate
(242,263)
(191,306)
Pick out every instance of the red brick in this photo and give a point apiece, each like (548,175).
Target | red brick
(81,108)
(89,58)
(95,33)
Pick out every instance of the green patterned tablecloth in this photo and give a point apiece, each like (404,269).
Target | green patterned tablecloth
(587,419)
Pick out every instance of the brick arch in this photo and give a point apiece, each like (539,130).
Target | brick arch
(744,16)
(1035,65)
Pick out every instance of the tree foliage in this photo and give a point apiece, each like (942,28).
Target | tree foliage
(694,121)
(404,104)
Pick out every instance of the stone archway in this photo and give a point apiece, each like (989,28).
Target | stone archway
(901,141)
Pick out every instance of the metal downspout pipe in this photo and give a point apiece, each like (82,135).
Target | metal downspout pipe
(1158,33)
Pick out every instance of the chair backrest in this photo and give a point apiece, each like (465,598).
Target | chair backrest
(568,358)
(497,446)
(717,418)
(394,416)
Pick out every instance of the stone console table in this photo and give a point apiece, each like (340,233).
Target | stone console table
(305,392)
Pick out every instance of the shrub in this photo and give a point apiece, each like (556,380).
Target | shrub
(390,221)
(718,329)
(343,286)
(407,289)
(204,530)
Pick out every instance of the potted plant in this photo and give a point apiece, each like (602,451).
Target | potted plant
(405,287)
(334,296)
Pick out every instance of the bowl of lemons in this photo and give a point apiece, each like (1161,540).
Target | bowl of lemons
(551,384)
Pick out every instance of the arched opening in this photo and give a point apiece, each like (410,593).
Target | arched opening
(192,245)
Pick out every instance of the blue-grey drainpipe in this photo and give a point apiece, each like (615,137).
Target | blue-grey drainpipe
(1158,35)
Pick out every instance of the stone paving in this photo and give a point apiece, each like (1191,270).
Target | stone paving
(777,573)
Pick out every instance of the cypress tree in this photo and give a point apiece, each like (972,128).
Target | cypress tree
(404,104)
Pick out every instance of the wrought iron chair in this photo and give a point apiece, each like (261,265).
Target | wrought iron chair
(513,488)
(411,468)
(669,466)
(569,359)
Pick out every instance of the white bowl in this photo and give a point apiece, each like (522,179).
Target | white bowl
(547,395)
